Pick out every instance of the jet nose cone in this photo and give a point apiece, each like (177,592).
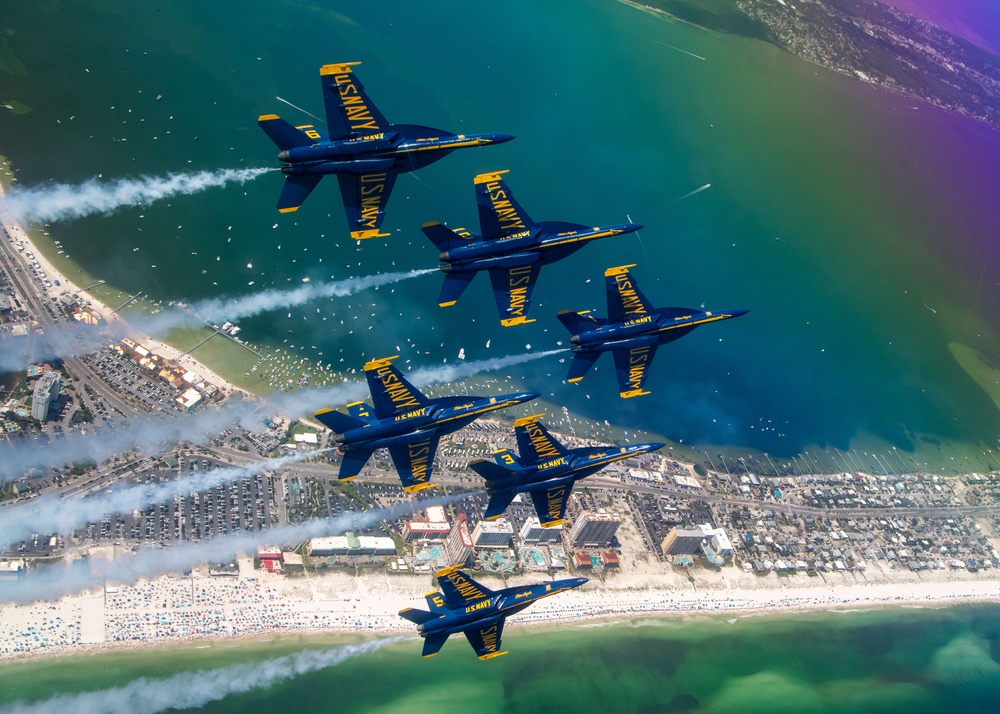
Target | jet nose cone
(738,311)
(575,582)
(282,156)
(652,446)
(526,396)
(495,138)
(631,227)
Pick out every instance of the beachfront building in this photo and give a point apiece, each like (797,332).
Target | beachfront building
(533,533)
(421,530)
(11,570)
(720,543)
(594,530)
(350,544)
(459,544)
(685,541)
(493,534)
(46,391)
(700,539)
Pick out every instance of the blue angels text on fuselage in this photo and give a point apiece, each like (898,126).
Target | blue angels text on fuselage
(465,606)
(545,470)
(632,331)
(404,421)
(512,248)
(362,148)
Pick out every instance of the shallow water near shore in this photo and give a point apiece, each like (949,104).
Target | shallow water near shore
(887,660)
(857,225)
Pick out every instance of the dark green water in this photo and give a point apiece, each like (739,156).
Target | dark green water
(886,661)
(858,227)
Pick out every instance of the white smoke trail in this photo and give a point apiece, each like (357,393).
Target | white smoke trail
(314,399)
(53,582)
(233,309)
(189,690)
(52,514)
(149,435)
(456,372)
(58,202)
(58,341)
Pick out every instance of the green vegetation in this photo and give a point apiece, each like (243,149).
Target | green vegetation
(82,467)
(719,15)
(82,416)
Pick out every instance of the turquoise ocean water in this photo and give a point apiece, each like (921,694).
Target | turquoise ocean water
(858,226)
(887,661)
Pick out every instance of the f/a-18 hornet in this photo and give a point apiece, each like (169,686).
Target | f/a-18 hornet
(546,470)
(632,331)
(465,606)
(362,148)
(512,247)
(406,422)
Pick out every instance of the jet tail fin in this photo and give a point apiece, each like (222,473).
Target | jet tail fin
(453,287)
(418,617)
(352,463)
(444,238)
(507,458)
(433,644)
(338,422)
(581,364)
(283,134)
(489,470)
(499,500)
(577,322)
(295,191)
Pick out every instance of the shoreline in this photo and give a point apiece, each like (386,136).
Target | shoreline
(16,231)
(201,610)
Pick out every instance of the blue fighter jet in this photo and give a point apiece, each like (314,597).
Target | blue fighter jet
(465,606)
(362,148)
(513,248)
(406,422)
(632,332)
(546,470)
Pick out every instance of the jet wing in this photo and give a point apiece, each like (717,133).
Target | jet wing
(485,637)
(295,191)
(550,504)
(458,589)
(512,290)
(535,443)
(349,111)
(413,461)
(365,197)
(632,367)
(625,301)
(392,394)
(500,215)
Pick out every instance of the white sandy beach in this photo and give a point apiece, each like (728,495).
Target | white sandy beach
(16,231)
(172,610)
